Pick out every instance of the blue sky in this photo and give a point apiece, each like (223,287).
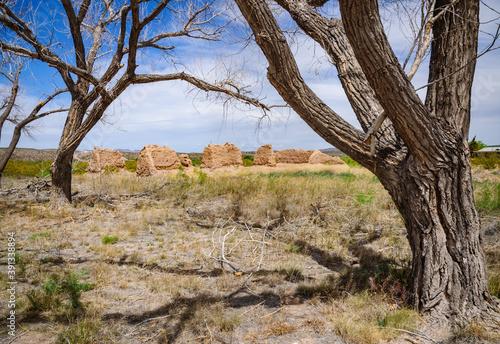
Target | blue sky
(173,114)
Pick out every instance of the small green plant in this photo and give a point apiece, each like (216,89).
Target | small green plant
(247,163)
(292,248)
(202,176)
(181,168)
(109,239)
(83,332)
(111,169)
(131,165)
(56,290)
(292,270)
(196,162)
(494,285)
(487,197)
(487,162)
(19,169)
(363,198)
(80,167)
(349,161)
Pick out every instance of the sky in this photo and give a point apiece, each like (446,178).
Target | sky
(175,115)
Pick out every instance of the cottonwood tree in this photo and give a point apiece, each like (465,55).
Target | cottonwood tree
(418,149)
(94,46)
(11,71)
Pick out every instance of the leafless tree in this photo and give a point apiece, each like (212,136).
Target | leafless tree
(11,71)
(105,39)
(418,149)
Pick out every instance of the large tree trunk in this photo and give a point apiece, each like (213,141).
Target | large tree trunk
(449,271)
(61,178)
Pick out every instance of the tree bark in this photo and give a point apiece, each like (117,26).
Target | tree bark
(61,178)
(449,272)
(429,177)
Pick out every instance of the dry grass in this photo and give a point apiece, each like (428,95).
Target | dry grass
(252,254)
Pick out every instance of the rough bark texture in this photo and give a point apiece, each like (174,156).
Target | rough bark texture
(421,156)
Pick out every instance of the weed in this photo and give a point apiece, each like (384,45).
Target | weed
(363,198)
(487,162)
(80,167)
(247,163)
(56,290)
(131,165)
(196,162)
(349,161)
(494,284)
(472,331)
(487,195)
(291,248)
(215,316)
(83,332)
(292,270)
(202,176)
(109,239)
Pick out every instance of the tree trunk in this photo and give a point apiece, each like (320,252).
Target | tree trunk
(449,272)
(61,178)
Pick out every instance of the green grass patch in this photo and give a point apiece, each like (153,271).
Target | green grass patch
(349,161)
(109,239)
(131,165)
(487,196)
(80,167)
(17,169)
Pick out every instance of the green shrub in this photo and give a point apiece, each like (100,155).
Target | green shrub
(487,196)
(247,162)
(109,239)
(494,285)
(80,167)
(83,332)
(487,162)
(19,169)
(131,165)
(349,161)
(56,290)
(196,162)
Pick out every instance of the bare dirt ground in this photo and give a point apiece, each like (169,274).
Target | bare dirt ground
(227,256)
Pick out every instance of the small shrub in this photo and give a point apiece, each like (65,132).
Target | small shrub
(487,162)
(19,169)
(487,197)
(109,239)
(196,162)
(473,331)
(111,169)
(56,290)
(131,165)
(247,163)
(80,167)
(494,285)
(83,332)
(365,198)
(202,176)
(349,161)
(292,270)
(292,248)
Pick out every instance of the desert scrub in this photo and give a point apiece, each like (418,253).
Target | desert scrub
(19,169)
(364,319)
(131,165)
(487,196)
(84,331)
(80,167)
(60,295)
(109,239)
